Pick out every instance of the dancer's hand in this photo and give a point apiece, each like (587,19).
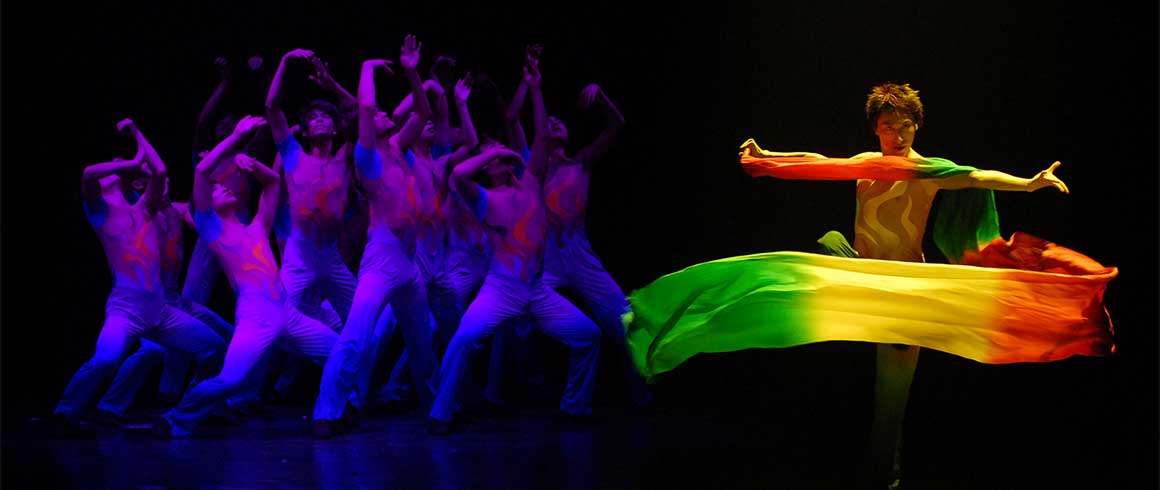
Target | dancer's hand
(380,64)
(409,54)
(245,162)
(127,127)
(749,147)
(463,88)
(321,76)
(532,75)
(590,94)
(302,54)
(223,66)
(248,124)
(1047,178)
(254,63)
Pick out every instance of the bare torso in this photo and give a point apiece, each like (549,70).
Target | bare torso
(517,226)
(566,197)
(129,234)
(891,217)
(248,261)
(317,191)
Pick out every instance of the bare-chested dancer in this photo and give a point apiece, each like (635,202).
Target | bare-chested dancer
(387,273)
(514,215)
(264,312)
(127,226)
(889,224)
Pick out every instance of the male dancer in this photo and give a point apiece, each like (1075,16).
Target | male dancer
(127,226)
(317,180)
(514,214)
(264,312)
(387,273)
(889,224)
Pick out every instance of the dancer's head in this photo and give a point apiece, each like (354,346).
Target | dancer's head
(320,119)
(384,125)
(895,113)
(428,135)
(224,201)
(557,130)
(500,170)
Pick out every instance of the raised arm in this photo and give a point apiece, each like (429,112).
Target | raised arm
(538,163)
(462,173)
(440,116)
(92,175)
(155,188)
(413,127)
(592,94)
(470,137)
(202,198)
(325,81)
(203,131)
(271,187)
(513,129)
(999,181)
(279,128)
(367,106)
(409,60)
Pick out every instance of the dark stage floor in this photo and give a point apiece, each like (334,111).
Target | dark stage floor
(669,448)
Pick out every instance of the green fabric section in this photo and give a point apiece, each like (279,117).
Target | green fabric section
(965,219)
(714,306)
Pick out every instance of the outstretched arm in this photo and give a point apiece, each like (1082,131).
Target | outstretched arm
(999,181)
(92,175)
(202,198)
(279,128)
(751,146)
(615,121)
(271,187)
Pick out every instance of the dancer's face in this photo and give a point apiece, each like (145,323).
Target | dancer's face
(383,123)
(556,129)
(895,132)
(428,133)
(500,170)
(319,123)
(222,197)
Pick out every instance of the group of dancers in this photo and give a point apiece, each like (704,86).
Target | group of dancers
(462,237)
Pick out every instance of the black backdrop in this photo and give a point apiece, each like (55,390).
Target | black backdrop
(1006,86)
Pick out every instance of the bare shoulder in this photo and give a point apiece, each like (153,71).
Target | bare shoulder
(866,154)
